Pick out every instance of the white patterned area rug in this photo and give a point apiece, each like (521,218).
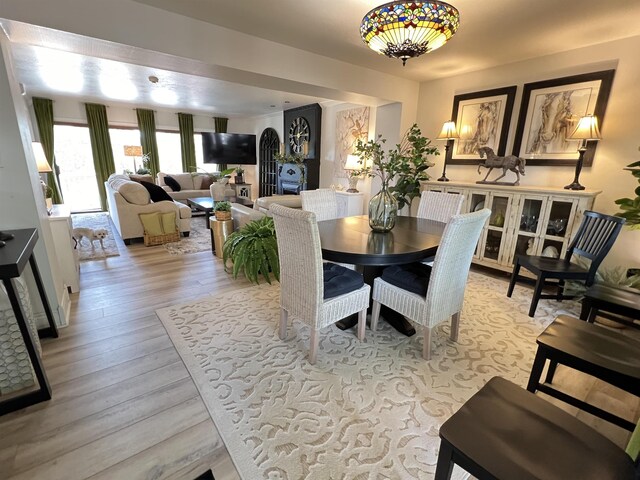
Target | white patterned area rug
(199,240)
(366,410)
(87,250)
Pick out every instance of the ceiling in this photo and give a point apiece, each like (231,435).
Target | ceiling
(492,32)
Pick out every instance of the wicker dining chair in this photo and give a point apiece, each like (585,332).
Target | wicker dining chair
(444,283)
(593,240)
(322,202)
(440,207)
(305,286)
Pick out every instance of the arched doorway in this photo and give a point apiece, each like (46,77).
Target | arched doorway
(268,177)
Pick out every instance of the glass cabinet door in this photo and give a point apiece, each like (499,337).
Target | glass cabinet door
(556,225)
(494,246)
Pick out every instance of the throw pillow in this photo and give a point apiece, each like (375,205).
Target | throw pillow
(141,178)
(206,182)
(156,193)
(172,182)
(169,222)
(152,223)
(132,192)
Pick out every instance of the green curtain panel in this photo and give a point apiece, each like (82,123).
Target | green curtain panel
(43,108)
(147,127)
(221,127)
(100,146)
(188,148)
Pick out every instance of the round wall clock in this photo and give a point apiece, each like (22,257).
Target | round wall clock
(298,134)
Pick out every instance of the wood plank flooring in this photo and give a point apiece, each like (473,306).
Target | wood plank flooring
(124,405)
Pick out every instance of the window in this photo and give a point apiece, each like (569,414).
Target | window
(119,138)
(169,151)
(77,176)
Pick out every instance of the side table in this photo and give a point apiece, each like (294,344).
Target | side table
(13,259)
(220,230)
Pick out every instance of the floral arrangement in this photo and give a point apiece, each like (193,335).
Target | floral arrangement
(407,163)
(297,159)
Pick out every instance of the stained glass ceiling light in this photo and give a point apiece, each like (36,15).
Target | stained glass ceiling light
(409,29)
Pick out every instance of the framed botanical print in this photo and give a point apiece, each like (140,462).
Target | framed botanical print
(550,111)
(482,120)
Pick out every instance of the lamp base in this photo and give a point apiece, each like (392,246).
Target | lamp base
(574,186)
(443,179)
(353,185)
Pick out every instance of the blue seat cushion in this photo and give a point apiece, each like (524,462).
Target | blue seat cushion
(413,277)
(339,280)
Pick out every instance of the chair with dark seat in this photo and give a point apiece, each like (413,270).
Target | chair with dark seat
(504,432)
(620,304)
(597,351)
(316,293)
(593,240)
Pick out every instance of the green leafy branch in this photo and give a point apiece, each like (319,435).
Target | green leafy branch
(630,207)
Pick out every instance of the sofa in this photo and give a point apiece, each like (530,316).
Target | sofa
(241,215)
(127,199)
(191,185)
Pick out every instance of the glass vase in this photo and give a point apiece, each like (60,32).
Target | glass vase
(383,209)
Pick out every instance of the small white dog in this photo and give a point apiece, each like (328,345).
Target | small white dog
(91,234)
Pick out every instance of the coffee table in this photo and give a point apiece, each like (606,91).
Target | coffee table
(202,204)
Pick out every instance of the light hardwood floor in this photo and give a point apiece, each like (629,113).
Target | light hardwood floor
(124,405)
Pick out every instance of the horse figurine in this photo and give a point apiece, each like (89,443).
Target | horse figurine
(510,162)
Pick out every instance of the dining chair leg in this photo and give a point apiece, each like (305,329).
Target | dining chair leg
(362,322)
(560,291)
(426,343)
(455,326)
(551,371)
(284,315)
(444,467)
(537,291)
(536,371)
(313,346)
(514,277)
(375,313)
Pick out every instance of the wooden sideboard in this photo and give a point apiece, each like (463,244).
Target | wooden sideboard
(523,219)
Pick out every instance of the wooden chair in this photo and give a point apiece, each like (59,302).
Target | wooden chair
(322,202)
(600,352)
(620,304)
(304,286)
(504,432)
(445,282)
(593,240)
(440,207)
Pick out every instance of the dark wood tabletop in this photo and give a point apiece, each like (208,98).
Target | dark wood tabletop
(351,240)
(15,254)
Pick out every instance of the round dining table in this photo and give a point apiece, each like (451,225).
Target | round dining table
(351,240)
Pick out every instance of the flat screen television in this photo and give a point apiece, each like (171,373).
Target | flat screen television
(233,148)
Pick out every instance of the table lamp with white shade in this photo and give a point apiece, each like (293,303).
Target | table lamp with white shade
(448,133)
(587,130)
(43,168)
(355,166)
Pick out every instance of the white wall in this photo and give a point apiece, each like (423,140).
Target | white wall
(620,128)
(21,200)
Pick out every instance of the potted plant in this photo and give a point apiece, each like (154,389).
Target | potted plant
(48,197)
(239,175)
(631,206)
(254,251)
(222,210)
(406,163)
(144,169)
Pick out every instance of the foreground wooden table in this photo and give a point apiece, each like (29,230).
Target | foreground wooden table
(13,259)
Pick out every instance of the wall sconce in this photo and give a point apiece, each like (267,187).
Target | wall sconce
(448,133)
(587,130)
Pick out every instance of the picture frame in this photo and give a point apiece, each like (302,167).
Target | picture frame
(482,119)
(550,111)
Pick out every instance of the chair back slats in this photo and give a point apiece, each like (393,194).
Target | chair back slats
(439,206)
(322,202)
(451,264)
(595,237)
(301,276)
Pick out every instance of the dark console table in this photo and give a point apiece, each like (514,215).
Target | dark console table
(13,259)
